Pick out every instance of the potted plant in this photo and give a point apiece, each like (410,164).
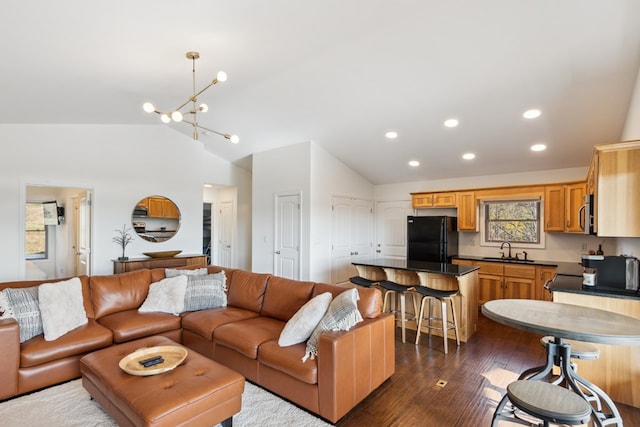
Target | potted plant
(123,239)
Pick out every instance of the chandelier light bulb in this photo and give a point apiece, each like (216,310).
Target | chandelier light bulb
(221,76)
(203,107)
(148,107)
(176,116)
(235,139)
(165,118)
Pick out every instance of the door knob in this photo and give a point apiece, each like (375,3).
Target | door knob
(278,252)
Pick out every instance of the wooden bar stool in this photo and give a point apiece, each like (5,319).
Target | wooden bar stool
(430,295)
(543,401)
(398,293)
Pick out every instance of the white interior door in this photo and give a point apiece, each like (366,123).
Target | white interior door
(287,236)
(225,234)
(83,234)
(351,230)
(391,228)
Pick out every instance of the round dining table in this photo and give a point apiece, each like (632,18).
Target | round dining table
(567,321)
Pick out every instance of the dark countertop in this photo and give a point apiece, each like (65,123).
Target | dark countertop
(573,284)
(429,267)
(569,268)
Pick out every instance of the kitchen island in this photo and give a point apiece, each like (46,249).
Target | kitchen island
(617,371)
(441,276)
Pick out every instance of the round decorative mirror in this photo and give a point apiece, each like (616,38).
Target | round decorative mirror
(155,219)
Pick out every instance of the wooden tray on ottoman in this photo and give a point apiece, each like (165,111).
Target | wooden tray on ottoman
(172,355)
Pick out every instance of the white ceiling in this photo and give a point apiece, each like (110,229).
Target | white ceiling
(340,73)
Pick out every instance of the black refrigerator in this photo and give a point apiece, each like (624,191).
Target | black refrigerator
(432,238)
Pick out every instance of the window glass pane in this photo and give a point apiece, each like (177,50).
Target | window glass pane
(517,221)
(35,232)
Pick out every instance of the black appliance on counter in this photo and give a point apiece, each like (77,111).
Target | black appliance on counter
(432,238)
(614,272)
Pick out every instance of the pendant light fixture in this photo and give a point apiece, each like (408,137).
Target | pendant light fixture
(180,115)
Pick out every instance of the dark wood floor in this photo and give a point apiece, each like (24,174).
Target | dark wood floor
(476,375)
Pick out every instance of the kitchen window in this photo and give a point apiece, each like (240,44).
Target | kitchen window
(36,232)
(516,221)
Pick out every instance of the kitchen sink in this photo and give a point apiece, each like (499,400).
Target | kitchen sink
(515,260)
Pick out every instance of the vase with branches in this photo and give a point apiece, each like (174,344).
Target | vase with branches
(123,238)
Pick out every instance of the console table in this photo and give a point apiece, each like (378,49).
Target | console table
(147,262)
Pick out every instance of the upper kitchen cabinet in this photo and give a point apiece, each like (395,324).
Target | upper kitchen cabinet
(467,211)
(615,176)
(433,200)
(562,203)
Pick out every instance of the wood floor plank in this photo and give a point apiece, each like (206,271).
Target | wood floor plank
(476,373)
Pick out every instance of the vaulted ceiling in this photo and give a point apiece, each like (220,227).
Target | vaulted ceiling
(340,73)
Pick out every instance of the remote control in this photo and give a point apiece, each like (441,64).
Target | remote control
(151,359)
(153,362)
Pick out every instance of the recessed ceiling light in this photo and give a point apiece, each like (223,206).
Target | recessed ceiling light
(468,156)
(531,114)
(391,134)
(414,163)
(451,123)
(538,147)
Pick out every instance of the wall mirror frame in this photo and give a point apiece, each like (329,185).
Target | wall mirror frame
(156,219)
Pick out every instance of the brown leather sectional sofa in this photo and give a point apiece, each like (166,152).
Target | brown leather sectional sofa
(243,336)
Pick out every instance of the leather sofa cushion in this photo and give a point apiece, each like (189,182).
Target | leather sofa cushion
(130,324)
(245,336)
(84,280)
(84,339)
(289,361)
(119,292)
(246,290)
(205,322)
(369,304)
(284,297)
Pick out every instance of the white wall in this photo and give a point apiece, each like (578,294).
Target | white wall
(121,164)
(317,175)
(274,172)
(329,177)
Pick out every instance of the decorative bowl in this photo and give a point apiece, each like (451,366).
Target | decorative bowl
(162,254)
(172,356)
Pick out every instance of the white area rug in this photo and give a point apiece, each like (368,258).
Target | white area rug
(69,405)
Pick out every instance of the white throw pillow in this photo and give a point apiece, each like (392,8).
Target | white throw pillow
(341,315)
(166,296)
(61,307)
(299,328)
(173,272)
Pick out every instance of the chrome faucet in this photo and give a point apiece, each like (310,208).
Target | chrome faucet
(502,246)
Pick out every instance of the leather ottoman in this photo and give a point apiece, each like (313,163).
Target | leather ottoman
(199,392)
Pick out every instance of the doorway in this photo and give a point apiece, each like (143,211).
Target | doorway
(68,240)
(287,236)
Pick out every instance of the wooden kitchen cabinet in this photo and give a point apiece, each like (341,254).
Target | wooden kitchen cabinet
(615,168)
(498,280)
(433,200)
(544,273)
(467,211)
(562,203)
(519,281)
(161,207)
